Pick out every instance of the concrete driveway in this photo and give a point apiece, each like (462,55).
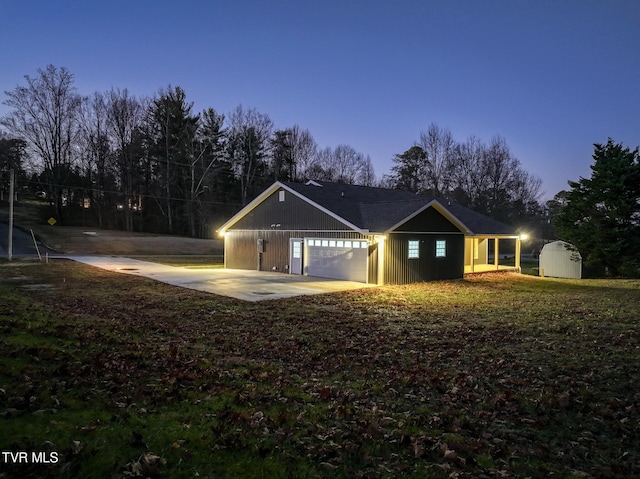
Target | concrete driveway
(236,283)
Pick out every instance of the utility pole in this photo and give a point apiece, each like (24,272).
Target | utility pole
(10,242)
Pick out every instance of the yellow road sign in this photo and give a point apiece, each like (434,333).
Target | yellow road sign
(52,221)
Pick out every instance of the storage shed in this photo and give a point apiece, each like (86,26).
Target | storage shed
(560,259)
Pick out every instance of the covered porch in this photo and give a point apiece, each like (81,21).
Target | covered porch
(485,253)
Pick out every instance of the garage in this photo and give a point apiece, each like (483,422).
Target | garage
(337,258)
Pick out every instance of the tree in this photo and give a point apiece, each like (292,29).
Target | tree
(601,215)
(486,178)
(98,155)
(209,163)
(174,137)
(12,152)
(303,152)
(282,162)
(249,148)
(45,115)
(367,173)
(407,172)
(125,115)
(468,182)
(347,164)
(438,147)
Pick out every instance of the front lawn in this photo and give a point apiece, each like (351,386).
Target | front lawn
(499,375)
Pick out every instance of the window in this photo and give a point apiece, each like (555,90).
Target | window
(414,249)
(281,195)
(441,248)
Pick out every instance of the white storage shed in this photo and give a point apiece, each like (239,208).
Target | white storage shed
(560,259)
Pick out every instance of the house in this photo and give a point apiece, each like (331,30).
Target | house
(360,233)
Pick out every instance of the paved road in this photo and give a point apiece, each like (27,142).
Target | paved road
(22,242)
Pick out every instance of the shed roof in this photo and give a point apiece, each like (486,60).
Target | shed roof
(379,210)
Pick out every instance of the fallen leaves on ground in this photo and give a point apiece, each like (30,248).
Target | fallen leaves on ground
(493,377)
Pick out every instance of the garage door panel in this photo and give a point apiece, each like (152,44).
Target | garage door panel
(337,259)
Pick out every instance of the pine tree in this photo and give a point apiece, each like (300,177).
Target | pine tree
(601,215)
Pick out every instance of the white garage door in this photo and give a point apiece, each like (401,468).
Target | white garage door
(337,258)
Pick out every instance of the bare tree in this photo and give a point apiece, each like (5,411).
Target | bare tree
(304,151)
(126,115)
(249,136)
(508,191)
(347,164)
(97,158)
(343,164)
(438,147)
(487,178)
(367,173)
(45,114)
(468,181)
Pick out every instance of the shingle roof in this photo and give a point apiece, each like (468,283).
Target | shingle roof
(478,223)
(380,209)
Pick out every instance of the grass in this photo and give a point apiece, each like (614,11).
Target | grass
(33,215)
(495,376)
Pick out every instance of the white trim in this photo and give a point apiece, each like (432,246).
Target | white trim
(268,192)
(427,233)
(304,231)
(244,211)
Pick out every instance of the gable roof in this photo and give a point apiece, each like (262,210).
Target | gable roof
(380,210)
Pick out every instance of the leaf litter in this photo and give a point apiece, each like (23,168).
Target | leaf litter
(448,379)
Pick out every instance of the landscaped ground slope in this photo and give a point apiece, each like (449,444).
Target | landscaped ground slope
(30,215)
(494,376)
(76,240)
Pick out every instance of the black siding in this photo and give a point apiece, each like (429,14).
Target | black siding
(291,214)
(399,269)
(241,249)
(430,220)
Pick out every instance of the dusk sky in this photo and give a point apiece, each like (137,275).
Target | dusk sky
(550,76)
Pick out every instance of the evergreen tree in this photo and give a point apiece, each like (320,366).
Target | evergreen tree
(601,215)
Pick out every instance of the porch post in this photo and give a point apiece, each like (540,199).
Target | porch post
(474,248)
(518,251)
(496,253)
(381,244)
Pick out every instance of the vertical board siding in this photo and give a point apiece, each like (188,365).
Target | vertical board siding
(428,220)
(399,269)
(276,221)
(291,214)
(241,248)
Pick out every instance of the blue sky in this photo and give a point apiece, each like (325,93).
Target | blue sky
(551,76)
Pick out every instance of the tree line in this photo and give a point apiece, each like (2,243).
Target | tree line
(487,178)
(153,164)
(600,215)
